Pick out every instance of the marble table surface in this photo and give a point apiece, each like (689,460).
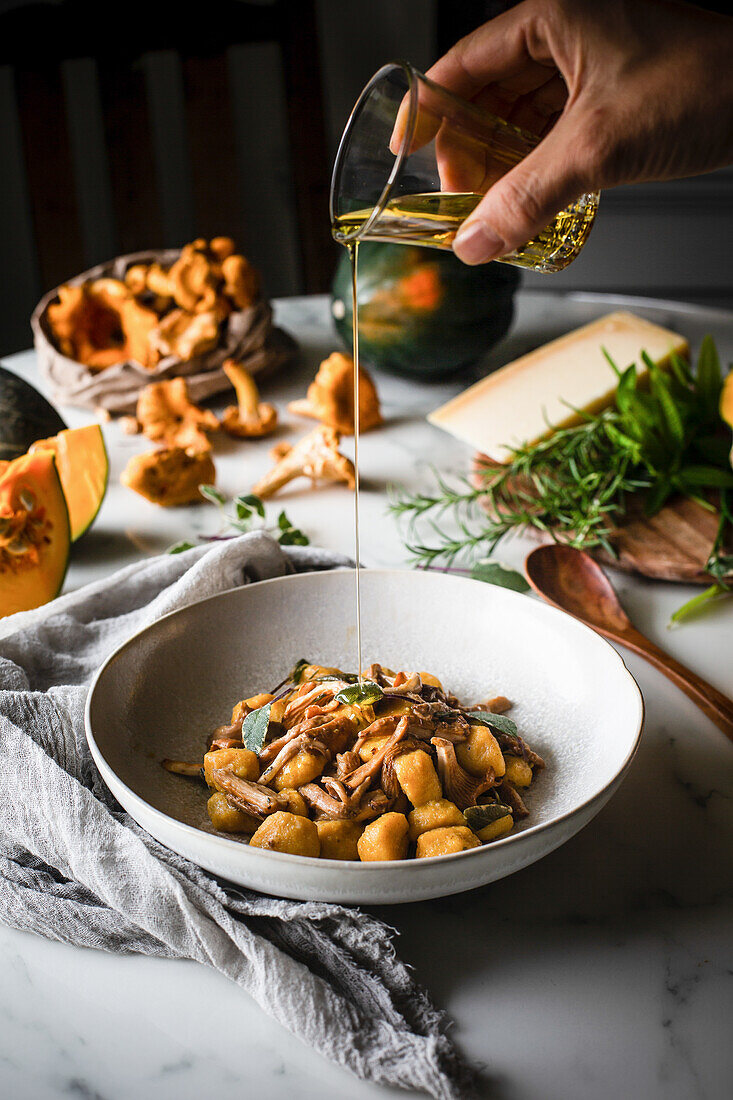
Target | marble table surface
(604,971)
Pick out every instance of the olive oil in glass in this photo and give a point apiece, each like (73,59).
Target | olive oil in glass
(433,218)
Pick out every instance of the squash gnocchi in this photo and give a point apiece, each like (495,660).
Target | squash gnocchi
(388,766)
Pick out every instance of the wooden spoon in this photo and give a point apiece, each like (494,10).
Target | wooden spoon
(571,580)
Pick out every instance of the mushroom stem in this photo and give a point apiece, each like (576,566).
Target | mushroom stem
(248,396)
(245,795)
(458,785)
(182,767)
(372,766)
(316,456)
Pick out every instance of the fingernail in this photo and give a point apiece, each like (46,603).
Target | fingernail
(475,243)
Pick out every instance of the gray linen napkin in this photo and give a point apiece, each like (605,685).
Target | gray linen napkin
(75,867)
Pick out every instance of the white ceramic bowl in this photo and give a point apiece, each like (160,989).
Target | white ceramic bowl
(163,691)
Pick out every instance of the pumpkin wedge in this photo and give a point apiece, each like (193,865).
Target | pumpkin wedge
(34,533)
(83,466)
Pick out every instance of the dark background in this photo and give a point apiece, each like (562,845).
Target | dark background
(155,124)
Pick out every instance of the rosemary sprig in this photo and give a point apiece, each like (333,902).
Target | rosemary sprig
(248,515)
(657,440)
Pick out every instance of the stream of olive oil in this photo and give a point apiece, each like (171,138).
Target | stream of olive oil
(432,219)
(353,250)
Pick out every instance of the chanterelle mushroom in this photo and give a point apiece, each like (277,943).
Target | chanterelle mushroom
(250,417)
(167,416)
(316,456)
(169,477)
(330,397)
(458,785)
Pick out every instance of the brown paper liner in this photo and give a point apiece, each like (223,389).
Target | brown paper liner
(249,336)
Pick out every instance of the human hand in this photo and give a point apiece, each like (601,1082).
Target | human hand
(622,91)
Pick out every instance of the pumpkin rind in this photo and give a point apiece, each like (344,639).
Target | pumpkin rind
(32,576)
(421,311)
(83,467)
(25,415)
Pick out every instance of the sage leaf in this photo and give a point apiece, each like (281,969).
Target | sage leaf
(478,817)
(254,728)
(492,572)
(498,722)
(362,694)
(296,674)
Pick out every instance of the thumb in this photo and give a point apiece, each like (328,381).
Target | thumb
(524,201)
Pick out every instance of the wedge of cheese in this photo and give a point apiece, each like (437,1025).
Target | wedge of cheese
(523,401)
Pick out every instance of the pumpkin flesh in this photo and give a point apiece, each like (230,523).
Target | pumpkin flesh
(83,467)
(34,533)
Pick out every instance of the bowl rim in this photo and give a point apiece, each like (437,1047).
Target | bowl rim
(351,867)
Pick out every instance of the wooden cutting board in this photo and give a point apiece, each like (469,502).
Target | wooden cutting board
(673,545)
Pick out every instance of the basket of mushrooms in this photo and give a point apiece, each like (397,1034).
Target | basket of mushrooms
(153,316)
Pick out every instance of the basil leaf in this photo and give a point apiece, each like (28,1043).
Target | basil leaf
(478,817)
(255,726)
(212,493)
(498,722)
(179,547)
(493,573)
(361,694)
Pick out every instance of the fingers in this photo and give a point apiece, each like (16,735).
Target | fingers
(492,66)
(526,199)
(536,112)
(497,51)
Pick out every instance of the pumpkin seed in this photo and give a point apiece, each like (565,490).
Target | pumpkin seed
(27,499)
(17,547)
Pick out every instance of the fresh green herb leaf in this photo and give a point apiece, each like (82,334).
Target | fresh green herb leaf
(493,573)
(709,477)
(212,493)
(179,547)
(575,484)
(299,668)
(254,728)
(243,525)
(249,515)
(699,603)
(287,535)
(498,722)
(252,503)
(478,817)
(709,375)
(292,537)
(361,694)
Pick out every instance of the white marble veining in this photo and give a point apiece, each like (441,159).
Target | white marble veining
(604,971)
